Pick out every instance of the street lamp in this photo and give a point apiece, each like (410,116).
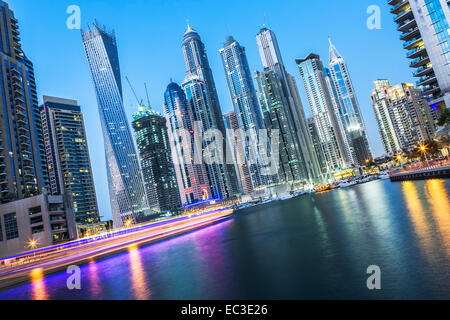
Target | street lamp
(32,244)
(423,148)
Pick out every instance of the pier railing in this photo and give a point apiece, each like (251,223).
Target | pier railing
(428,165)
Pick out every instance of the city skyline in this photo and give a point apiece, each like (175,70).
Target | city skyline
(216,184)
(291,50)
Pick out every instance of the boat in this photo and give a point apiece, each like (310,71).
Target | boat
(384,176)
(286,197)
(325,187)
(346,184)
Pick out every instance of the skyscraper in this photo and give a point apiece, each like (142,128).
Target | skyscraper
(245,179)
(317,91)
(276,117)
(424,26)
(23,166)
(127,193)
(336,102)
(246,107)
(69,164)
(349,112)
(192,177)
(272,60)
(156,161)
(403,116)
(197,67)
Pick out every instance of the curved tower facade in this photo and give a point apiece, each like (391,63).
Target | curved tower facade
(126,188)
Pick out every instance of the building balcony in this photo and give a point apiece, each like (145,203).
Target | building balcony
(412,43)
(18,100)
(423,70)
(15,31)
(407,25)
(20,113)
(59,230)
(25,144)
(430,90)
(21,121)
(58,220)
(420,61)
(399,6)
(18,92)
(426,80)
(20,107)
(408,35)
(27,173)
(393,2)
(403,16)
(416,52)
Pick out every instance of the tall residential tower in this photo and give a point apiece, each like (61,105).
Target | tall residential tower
(424,27)
(69,164)
(246,107)
(199,77)
(403,116)
(192,177)
(126,188)
(355,129)
(319,97)
(272,61)
(23,166)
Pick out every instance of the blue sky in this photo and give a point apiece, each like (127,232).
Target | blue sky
(150,32)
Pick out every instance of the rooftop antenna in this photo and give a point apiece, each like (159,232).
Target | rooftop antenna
(146,92)
(134,92)
(265,19)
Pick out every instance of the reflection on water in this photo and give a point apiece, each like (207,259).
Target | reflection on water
(313,247)
(439,202)
(94,282)
(138,278)
(38,288)
(418,215)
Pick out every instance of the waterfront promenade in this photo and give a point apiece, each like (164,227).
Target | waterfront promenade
(427,170)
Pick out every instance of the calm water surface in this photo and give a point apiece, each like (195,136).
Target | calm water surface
(313,247)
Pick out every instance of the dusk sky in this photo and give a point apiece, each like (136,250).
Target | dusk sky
(150,32)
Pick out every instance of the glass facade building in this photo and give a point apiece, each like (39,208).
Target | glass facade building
(349,111)
(68,160)
(323,111)
(276,117)
(424,26)
(272,61)
(246,107)
(156,161)
(192,176)
(199,83)
(127,193)
(234,134)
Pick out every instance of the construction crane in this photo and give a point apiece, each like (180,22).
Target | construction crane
(140,103)
(146,92)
